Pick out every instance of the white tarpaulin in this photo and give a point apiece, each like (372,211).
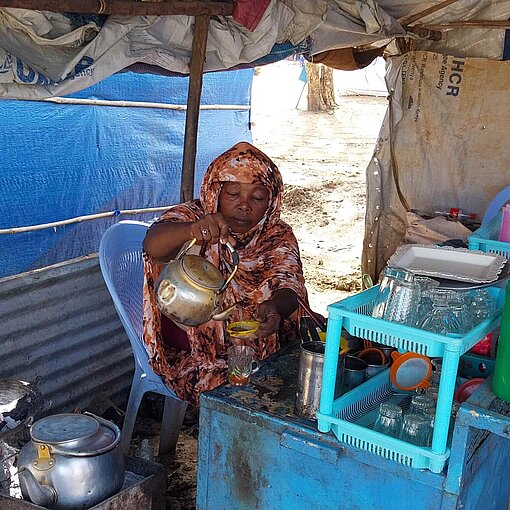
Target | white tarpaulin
(43,55)
(449,128)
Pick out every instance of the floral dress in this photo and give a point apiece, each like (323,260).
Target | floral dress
(268,261)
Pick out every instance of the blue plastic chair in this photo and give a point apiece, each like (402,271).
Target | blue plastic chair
(496,204)
(120,258)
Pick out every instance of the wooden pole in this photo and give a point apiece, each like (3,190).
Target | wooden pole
(196,69)
(472,23)
(408,20)
(125,7)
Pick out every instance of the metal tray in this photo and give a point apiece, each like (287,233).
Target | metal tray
(446,262)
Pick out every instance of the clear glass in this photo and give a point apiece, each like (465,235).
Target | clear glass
(415,429)
(391,277)
(433,392)
(241,364)
(419,403)
(460,307)
(402,303)
(480,304)
(430,414)
(389,420)
(425,304)
(441,319)
(435,375)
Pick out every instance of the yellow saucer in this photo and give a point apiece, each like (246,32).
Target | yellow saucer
(242,328)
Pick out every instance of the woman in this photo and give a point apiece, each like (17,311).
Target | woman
(240,201)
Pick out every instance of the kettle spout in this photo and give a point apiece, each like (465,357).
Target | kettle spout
(42,495)
(221,316)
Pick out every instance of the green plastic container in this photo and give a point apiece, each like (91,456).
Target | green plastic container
(501,378)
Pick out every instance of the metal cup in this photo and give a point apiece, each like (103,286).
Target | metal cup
(354,372)
(311,365)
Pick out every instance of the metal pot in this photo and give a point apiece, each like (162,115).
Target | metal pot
(73,461)
(190,289)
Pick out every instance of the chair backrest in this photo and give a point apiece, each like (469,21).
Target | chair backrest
(497,203)
(120,259)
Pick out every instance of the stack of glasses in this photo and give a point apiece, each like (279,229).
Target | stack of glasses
(417,301)
(415,426)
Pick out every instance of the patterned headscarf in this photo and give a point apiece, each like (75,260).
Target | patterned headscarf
(268,261)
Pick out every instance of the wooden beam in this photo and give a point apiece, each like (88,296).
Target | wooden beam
(408,20)
(472,23)
(125,7)
(196,69)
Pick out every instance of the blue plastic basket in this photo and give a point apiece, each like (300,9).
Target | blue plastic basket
(354,416)
(485,238)
(355,313)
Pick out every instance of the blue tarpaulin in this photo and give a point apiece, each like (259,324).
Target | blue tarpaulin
(62,161)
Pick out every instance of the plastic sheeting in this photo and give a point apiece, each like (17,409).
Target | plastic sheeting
(62,161)
(449,127)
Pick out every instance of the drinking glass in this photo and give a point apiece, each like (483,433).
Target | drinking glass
(433,392)
(397,297)
(481,304)
(389,420)
(425,304)
(430,414)
(441,319)
(460,307)
(419,403)
(415,429)
(241,364)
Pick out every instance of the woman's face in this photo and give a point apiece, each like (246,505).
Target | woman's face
(243,205)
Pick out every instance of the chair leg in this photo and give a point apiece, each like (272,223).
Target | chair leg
(135,398)
(173,416)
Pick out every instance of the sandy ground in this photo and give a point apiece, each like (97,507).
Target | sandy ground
(322,157)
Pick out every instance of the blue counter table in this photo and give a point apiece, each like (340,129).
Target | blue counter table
(256,454)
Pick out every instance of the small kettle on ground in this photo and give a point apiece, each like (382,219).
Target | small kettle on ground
(190,289)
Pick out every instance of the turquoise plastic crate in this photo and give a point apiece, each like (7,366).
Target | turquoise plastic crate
(355,313)
(485,238)
(354,416)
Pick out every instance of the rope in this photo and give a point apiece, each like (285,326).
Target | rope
(78,219)
(394,166)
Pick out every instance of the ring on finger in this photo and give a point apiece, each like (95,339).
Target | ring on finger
(205,232)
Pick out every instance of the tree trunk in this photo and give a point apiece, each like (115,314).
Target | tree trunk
(327,87)
(321,91)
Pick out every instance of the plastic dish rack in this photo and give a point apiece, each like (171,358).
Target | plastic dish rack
(485,238)
(355,415)
(354,314)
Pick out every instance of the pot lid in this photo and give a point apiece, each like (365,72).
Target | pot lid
(202,272)
(63,428)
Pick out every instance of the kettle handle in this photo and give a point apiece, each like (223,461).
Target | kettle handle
(185,248)
(235,261)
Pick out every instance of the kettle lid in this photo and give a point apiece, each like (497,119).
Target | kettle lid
(202,272)
(63,428)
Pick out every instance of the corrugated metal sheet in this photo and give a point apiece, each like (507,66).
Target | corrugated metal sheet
(59,323)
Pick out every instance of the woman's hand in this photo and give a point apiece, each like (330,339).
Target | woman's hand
(269,319)
(210,229)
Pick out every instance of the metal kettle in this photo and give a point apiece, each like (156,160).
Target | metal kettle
(190,289)
(73,461)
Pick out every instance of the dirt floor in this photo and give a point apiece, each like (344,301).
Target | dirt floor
(323,157)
